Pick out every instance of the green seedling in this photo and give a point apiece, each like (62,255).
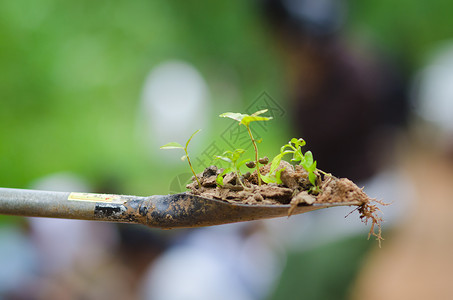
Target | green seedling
(273,177)
(246,120)
(174,145)
(294,147)
(231,157)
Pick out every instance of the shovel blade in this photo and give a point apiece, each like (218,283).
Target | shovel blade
(187,210)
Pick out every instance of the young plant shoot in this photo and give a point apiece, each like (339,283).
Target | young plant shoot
(174,145)
(246,120)
(231,157)
(294,147)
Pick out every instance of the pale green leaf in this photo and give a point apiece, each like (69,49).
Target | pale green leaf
(308,158)
(236,154)
(276,162)
(298,142)
(267,178)
(172,145)
(244,118)
(219,179)
(247,119)
(278,175)
(183,158)
(260,112)
(312,178)
(224,158)
(235,116)
(312,167)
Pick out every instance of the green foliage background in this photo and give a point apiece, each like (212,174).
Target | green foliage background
(71,73)
(71,76)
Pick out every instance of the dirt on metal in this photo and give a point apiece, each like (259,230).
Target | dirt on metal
(295,190)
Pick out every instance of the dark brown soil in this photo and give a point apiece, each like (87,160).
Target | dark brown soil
(295,190)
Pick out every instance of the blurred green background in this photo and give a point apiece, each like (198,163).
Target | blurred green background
(72,73)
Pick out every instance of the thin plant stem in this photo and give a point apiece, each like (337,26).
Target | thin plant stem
(239,177)
(191,168)
(256,155)
(324,173)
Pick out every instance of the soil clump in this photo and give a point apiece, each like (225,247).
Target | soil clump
(295,189)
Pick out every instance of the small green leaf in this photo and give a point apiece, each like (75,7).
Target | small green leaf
(172,145)
(309,158)
(312,178)
(260,112)
(312,167)
(278,175)
(188,141)
(298,142)
(259,141)
(224,158)
(247,119)
(244,118)
(236,154)
(219,179)
(235,116)
(267,178)
(275,163)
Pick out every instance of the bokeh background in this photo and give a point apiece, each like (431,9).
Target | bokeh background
(90,90)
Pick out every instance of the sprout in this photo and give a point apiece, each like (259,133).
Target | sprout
(174,145)
(246,120)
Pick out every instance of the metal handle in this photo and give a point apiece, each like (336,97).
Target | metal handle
(83,206)
(161,211)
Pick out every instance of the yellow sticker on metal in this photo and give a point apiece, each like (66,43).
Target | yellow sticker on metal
(107,198)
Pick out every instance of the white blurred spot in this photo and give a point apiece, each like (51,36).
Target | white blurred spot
(434,89)
(175,103)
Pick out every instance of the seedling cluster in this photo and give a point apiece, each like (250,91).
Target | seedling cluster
(294,147)
(232,157)
(276,183)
